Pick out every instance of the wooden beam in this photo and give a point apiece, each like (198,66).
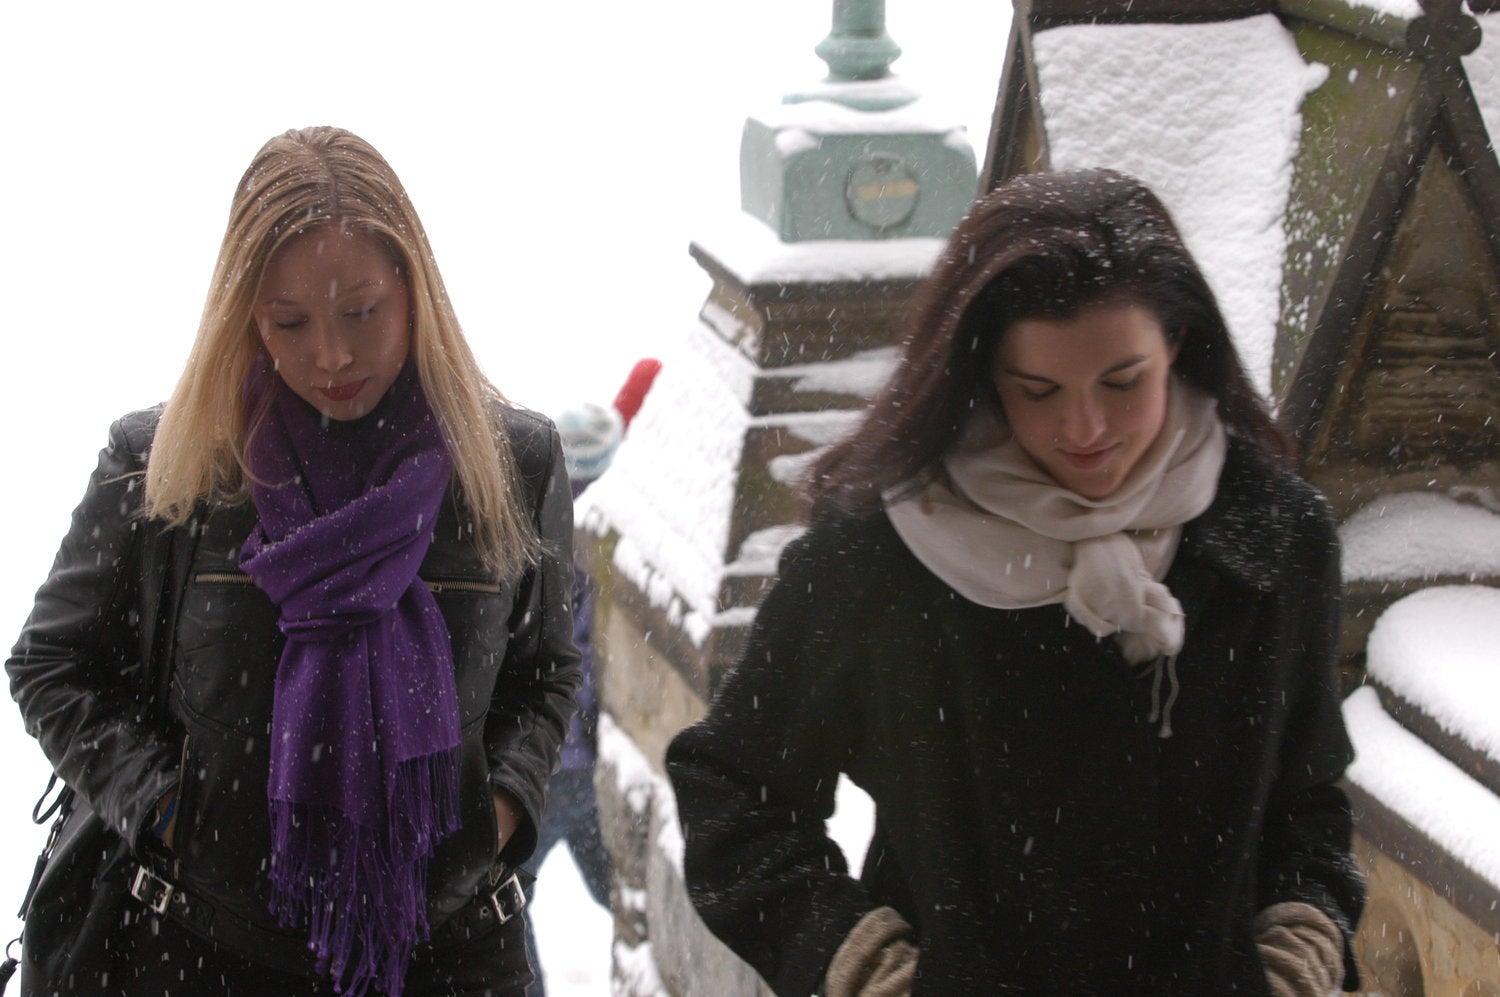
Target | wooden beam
(1317,370)
(1442,28)
(1474,149)
(1073,11)
(1017,121)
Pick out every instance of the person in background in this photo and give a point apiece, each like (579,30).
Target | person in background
(590,435)
(368,655)
(1067,614)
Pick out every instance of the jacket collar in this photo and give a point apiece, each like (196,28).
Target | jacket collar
(1247,532)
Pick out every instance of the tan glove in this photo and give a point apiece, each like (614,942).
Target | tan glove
(1302,949)
(877,958)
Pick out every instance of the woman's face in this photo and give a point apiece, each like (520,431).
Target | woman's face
(1086,396)
(335,316)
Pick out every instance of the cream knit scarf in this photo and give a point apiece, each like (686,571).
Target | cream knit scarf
(1004,534)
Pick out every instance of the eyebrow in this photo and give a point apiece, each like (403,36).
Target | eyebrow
(1122,365)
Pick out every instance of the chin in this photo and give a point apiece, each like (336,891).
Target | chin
(1094,489)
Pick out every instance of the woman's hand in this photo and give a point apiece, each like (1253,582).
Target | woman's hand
(878,958)
(1302,949)
(507,817)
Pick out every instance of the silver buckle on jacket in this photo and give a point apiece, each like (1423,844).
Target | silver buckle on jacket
(508,899)
(151,890)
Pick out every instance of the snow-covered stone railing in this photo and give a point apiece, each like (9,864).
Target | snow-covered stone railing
(1427,775)
(1423,536)
(1424,811)
(1435,656)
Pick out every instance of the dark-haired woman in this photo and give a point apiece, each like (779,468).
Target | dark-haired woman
(1068,616)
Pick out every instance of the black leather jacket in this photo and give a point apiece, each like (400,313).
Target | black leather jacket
(74,672)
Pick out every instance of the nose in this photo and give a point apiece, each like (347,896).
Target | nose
(1083,422)
(330,350)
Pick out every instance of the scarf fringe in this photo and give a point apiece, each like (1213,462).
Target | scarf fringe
(362,891)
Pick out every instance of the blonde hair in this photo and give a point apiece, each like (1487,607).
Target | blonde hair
(301,180)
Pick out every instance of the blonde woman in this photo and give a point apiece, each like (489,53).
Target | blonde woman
(358,665)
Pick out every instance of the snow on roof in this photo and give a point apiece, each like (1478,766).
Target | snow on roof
(1209,116)
(1439,649)
(1422,787)
(1483,69)
(753,253)
(1420,535)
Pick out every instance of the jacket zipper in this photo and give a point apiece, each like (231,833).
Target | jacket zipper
(435,586)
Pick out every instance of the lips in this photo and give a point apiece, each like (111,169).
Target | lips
(1088,460)
(343,392)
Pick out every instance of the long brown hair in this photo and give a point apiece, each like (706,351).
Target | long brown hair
(1044,245)
(298,181)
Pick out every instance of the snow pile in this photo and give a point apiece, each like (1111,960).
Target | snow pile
(642,788)
(761,551)
(1407,10)
(636,974)
(862,374)
(1483,69)
(670,490)
(1420,535)
(1209,116)
(669,493)
(754,254)
(1422,787)
(1439,649)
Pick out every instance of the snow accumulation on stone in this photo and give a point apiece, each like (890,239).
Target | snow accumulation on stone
(1422,787)
(644,790)
(636,974)
(1209,116)
(669,493)
(636,781)
(762,549)
(1411,536)
(829,117)
(754,254)
(1483,69)
(1406,10)
(1439,649)
(861,374)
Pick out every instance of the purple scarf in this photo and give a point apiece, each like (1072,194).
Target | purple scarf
(364,726)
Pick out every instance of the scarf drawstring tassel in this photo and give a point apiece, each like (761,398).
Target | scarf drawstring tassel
(1164,663)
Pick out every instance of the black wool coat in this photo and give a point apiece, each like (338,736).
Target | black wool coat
(75,672)
(1031,823)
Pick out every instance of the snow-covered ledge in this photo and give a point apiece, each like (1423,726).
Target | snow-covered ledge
(1422,810)
(1437,653)
(1422,536)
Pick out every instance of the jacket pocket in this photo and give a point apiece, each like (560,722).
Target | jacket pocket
(187,796)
